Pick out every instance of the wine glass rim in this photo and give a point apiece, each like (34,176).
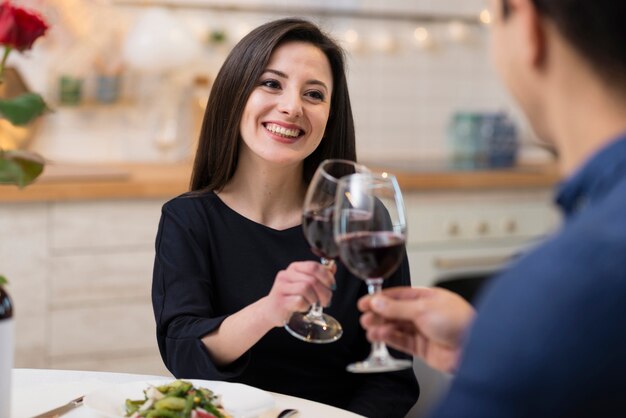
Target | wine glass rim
(340,160)
(375,175)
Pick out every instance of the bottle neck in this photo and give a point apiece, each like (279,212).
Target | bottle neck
(6,307)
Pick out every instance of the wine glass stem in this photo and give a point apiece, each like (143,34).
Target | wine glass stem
(374,285)
(316,308)
(379,349)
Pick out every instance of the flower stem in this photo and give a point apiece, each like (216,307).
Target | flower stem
(7,51)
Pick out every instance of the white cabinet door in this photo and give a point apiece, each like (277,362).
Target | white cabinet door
(23,260)
(81,275)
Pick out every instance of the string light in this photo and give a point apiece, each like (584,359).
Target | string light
(351,36)
(485,17)
(352,40)
(422,38)
(421,34)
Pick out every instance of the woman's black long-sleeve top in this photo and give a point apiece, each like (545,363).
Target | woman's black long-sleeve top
(212,262)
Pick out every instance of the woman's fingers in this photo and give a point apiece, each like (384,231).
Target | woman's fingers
(325,274)
(297,284)
(309,281)
(296,303)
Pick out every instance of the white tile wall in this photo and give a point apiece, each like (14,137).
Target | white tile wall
(402,99)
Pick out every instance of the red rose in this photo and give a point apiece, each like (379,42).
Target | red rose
(19,28)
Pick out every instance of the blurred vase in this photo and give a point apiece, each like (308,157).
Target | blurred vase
(11,136)
(159,42)
(6,352)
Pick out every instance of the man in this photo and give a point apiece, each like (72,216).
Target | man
(549,335)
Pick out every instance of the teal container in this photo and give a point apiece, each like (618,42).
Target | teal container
(466,144)
(108,88)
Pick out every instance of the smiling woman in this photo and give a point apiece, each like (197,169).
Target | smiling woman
(232,264)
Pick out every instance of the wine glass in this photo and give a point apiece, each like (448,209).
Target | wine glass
(370,231)
(317,222)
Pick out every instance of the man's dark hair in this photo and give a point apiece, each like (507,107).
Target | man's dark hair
(218,146)
(595,28)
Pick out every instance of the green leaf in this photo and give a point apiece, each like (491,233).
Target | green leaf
(20,167)
(3,280)
(22,109)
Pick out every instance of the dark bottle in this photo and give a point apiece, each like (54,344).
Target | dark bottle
(6,350)
(6,307)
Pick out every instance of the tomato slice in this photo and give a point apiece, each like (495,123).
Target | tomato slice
(201,413)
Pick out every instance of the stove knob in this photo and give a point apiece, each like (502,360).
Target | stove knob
(453,229)
(510,226)
(482,228)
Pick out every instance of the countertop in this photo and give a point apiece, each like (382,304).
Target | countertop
(63,182)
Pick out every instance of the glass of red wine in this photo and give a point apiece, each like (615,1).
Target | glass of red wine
(370,231)
(317,221)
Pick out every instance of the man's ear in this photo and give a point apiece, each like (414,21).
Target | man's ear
(531,27)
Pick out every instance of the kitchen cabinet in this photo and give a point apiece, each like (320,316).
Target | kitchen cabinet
(80,275)
(453,234)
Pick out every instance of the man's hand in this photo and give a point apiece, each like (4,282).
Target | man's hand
(427,322)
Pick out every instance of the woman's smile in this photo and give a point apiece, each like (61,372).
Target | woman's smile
(286,133)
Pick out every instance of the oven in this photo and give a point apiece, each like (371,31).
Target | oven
(459,240)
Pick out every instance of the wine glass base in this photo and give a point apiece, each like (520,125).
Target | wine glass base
(319,330)
(374,365)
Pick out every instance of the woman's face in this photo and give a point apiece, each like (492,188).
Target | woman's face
(286,114)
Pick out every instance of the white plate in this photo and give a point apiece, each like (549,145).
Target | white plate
(241,401)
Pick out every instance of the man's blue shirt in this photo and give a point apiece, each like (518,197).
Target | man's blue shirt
(549,339)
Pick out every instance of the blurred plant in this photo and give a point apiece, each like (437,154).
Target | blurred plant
(19,29)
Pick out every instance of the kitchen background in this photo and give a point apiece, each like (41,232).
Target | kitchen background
(411,66)
(127,83)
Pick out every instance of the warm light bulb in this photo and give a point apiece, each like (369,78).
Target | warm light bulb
(485,16)
(422,37)
(383,41)
(458,31)
(421,34)
(352,36)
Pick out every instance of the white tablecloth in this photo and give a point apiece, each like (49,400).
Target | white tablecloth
(35,391)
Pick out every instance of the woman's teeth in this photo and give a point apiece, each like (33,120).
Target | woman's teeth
(282,131)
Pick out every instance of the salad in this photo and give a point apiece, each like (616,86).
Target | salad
(178,399)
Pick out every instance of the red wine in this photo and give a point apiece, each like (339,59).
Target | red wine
(372,254)
(318,230)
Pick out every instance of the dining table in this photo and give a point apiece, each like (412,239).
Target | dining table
(35,391)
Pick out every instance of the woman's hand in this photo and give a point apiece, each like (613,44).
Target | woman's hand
(298,287)
(426,322)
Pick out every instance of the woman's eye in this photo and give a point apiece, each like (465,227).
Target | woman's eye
(273,84)
(315,94)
